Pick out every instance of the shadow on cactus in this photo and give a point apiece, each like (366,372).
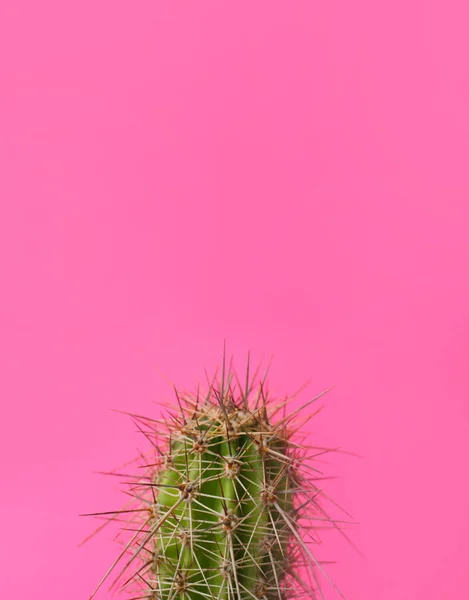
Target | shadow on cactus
(226,505)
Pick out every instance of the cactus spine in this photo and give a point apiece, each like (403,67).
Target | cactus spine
(218,511)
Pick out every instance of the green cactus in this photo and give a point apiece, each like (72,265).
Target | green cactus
(219,508)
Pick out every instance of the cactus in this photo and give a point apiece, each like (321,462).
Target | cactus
(225,506)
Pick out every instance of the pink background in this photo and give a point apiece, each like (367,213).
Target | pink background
(291,176)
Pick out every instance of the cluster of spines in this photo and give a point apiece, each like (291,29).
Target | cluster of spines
(227,506)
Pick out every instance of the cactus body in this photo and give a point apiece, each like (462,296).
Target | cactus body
(218,511)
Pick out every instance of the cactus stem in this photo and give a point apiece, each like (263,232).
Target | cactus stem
(225,506)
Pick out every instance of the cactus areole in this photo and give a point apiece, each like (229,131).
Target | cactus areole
(223,506)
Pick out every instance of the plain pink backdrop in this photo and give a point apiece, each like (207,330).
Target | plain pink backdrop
(291,176)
